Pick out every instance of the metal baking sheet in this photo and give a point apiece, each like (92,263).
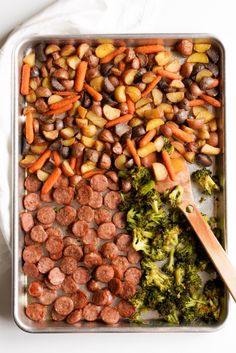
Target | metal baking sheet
(211,207)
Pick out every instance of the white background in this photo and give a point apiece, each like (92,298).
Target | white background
(215,17)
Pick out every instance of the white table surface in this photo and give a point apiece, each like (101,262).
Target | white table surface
(216,17)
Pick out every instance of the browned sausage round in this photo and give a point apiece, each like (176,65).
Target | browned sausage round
(80,228)
(86,213)
(119,219)
(92,259)
(46,197)
(90,237)
(91,312)
(48,296)
(27,221)
(88,248)
(109,250)
(115,286)
(106,231)
(125,309)
(102,297)
(102,215)
(128,290)
(110,315)
(32,183)
(74,316)
(93,285)
(99,182)
(50,285)
(112,200)
(68,265)
(52,231)
(63,195)
(38,234)
(81,275)
(96,200)
(62,181)
(32,253)
(57,317)
(84,194)
(46,215)
(121,262)
(104,273)
(56,256)
(35,289)
(32,202)
(28,240)
(30,270)
(36,311)
(55,276)
(69,240)
(54,244)
(66,215)
(123,242)
(80,299)
(112,185)
(133,275)
(133,256)
(73,250)
(64,305)
(45,264)
(69,286)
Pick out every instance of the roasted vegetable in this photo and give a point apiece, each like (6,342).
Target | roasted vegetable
(204,178)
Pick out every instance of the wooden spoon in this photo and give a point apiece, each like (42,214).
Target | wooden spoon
(201,228)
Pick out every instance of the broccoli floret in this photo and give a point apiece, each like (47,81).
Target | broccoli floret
(153,276)
(179,276)
(193,281)
(141,240)
(154,297)
(138,300)
(176,195)
(185,249)
(168,145)
(138,176)
(157,250)
(169,266)
(204,179)
(167,309)
(171,235)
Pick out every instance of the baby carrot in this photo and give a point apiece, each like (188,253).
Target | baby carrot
(56,157)
(80,76)
(168,164)
(147,137)
(168,74)
(95,94)
(180,134)
(64,102)
(60,110)
(196,102)
(91,173)
(150,86)
(121,119)
(133,152)
(131,106)
(210,100)
(29,129)
(112,55)
(64,93)
(149,49)
(79,162)
(51,180)
(40,161)
(25,79)
(72,162)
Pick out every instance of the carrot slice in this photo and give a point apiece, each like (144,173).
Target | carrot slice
(150,86)
(29,128)
(60,110)
(62,103)
(210,100)
(64,93)
(95,94)
(51,180)
(80,76)
(79,162)
(25,79)
(57,158)
(122,119)
(91,173)
(133,152)
(40,162)
(147,137)
(168,164)
(131,106)
(112,55)
(196,102)
(180,134)
(168,74)
(121,66)
(72,162)
(149,49)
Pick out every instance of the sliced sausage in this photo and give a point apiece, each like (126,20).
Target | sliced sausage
(55,276)
(123,242)
(119,219)
(91,312)
(52,231)
(115,286)
(28,240)
(125,309)
(56,256)
(96,200)
(66,215)
(73,251)
(80,228)
(27,221)
(74,316)
(38,234)
(88,248)
(133,256)
(84,194)
(69,286)
(31,202)
(45,264)
(35,289)
(54,244)
(110,315)
(86,213)
(133,275)
(102,297)
(106,231)
(128,290)
(109,250)
(112,200)
(69,240)
(80,299)
(63,195)
(50,285)
(32,253)
(32,183)
(48,296)
(62,181)
(93,285)
(99,182)
(92,259)
(57,317)
(36,311)
(46,215)
(90,237)
(30,270)
(104,273)
(112,185)
(81,275)
(64,305)
(68,265)
(46,197)
(102,215)
(120,265)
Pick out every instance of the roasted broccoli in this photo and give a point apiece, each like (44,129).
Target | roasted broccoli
(175,196)
(168,311)
(168,145)
(203,177)
(154,276)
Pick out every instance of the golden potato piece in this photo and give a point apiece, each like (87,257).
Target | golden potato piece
(198,58)
(175,97)
(104,49)
(201,47)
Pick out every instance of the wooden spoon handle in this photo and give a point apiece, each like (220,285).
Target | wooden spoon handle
(212,246)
